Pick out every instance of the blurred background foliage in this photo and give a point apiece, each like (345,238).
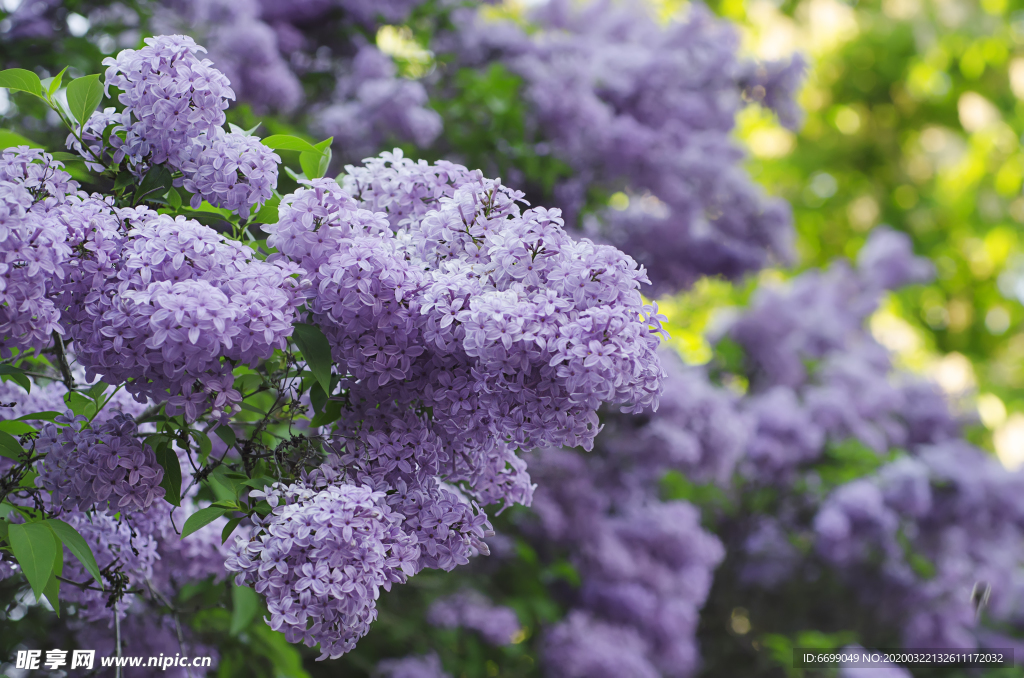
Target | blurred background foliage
(914,115)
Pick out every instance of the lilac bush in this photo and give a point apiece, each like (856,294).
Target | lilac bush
(349,394)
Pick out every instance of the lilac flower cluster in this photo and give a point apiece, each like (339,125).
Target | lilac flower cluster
(323,553)
(174,111)
(182,297)
(106,467)
(33,247)
(483,284)
(469,609)
(645,107)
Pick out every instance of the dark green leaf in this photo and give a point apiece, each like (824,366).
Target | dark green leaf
(316,351)
(70,537)
(171,481)
(331,414)
(245,603)
(21,80)
(84,95)
(10,447)
(201,519)
(35,549)
(52,589)
(157,180)
(17,376)
(286,142)
(317,398)
(123,181)
(228,529)
(226,434)
(205,444)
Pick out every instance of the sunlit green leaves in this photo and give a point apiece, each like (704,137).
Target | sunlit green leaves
(20,80)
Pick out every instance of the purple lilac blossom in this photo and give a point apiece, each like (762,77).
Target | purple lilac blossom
(182,296)
(323,552)
(33,247)
(174,112)
(106,467)
(496,624)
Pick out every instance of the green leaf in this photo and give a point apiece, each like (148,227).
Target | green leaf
(123,181)
(205,444)
(63,157)
(16,427)
(173,199)
(10,447)
(201,519)
(21,80)
(245,604)
(227,434)
(287,142)
(157,179)
(9,139)
(325,145)
(268,214)
(5,510)
(171,481)
(77,402)
(84,95)
(260,482)
(53,84)
(45,415)
(17,376)
(331,414)
(316,351)
(70,537)
(35,549)
(314,163)
(228,529)
(317,398)
(222,488)
(52,589)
